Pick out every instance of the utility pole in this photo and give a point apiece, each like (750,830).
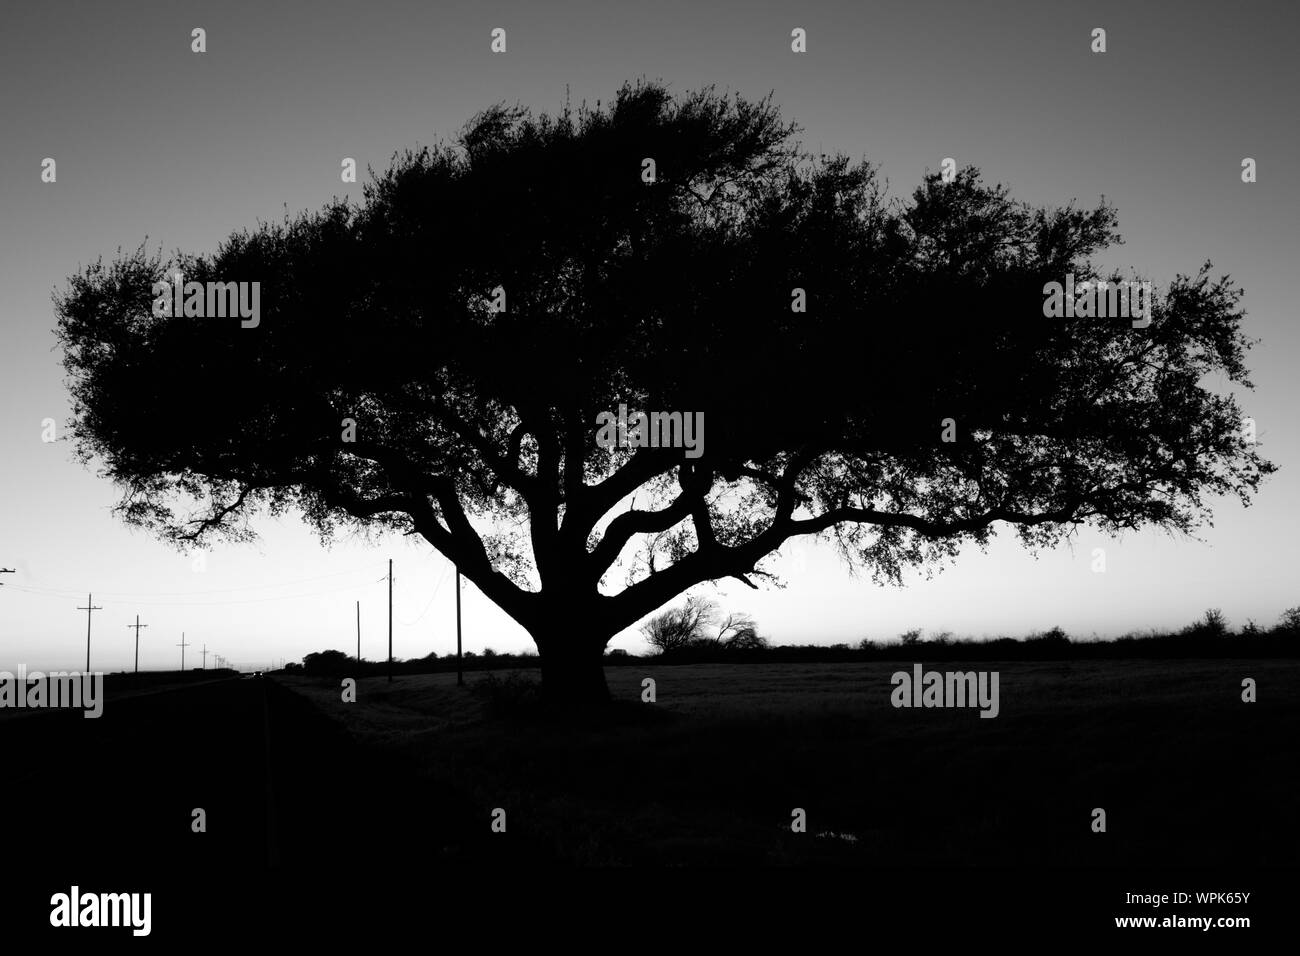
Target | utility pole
(137,625)
(390,620)
(358,632)
(89,609)
(460,676)
(205,657)
(182,645)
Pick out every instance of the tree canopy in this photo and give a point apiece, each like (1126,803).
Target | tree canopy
(490,297)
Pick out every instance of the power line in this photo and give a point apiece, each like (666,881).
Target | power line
(441,580)
(460,674)
(90,608)
(137,625)
(390,620)
(279,597)
(38,589)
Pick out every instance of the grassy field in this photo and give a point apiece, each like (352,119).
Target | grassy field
(710,773)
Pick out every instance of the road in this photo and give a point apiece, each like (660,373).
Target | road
(108,803)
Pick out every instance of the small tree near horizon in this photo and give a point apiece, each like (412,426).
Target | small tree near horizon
(1214,622)
(678,628)
(746,639)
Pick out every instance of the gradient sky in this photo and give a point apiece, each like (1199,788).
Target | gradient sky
(154,141)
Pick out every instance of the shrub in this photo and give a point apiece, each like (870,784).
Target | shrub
(1211,625)
(746,639)
(509,695)
(328,663)
(1055,637)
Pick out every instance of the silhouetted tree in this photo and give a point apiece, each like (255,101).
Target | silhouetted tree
(328,663)
(489,298)
(1055,637)
(746,639)
(680,627)
(1211,624)
(732,625)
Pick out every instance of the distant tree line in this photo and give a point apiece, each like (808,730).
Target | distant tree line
(697,632)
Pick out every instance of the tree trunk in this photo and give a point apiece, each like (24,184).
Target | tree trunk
(573,672)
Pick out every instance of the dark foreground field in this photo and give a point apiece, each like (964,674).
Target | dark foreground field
(1187,773)
(327,815)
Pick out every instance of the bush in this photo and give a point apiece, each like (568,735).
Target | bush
(910,637)
(1213,624)
(509,695)
(1054,637)
(746,639)
(328,663)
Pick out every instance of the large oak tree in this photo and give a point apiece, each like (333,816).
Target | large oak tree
(476,428)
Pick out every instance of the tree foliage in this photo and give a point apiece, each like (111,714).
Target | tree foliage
(475,428)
